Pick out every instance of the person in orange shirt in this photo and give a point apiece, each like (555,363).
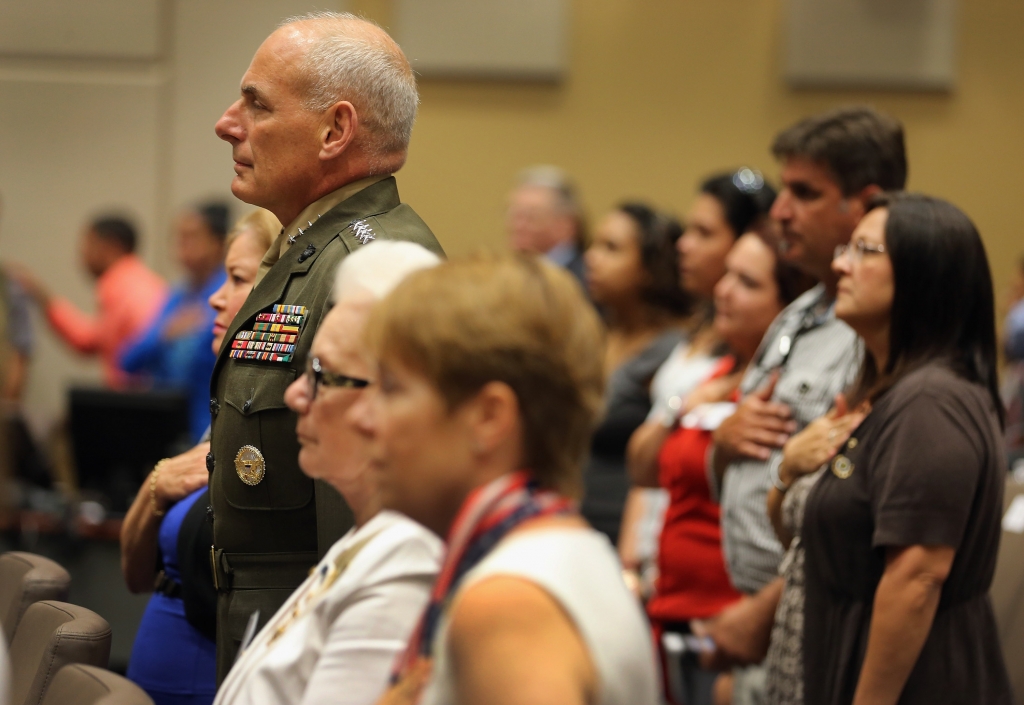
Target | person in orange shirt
(128,296)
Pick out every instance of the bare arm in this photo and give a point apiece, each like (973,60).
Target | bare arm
(512,644)
(742,631)
(904,609)
(178,477)
(775,499)
(642,453)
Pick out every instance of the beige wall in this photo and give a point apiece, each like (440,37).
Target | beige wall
(78,135)
(663,92)
(659,94)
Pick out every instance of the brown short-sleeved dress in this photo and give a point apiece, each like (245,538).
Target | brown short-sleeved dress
(925,468)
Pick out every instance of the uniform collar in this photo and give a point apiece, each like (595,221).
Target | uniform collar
(373,199)
(309,215)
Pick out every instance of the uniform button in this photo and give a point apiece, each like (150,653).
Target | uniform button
(246,406)
(209,461)
(214,407)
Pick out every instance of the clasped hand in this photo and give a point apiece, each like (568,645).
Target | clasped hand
(181,475)
(758,427)
(819,442)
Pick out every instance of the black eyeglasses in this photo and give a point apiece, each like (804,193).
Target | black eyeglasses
(318,377)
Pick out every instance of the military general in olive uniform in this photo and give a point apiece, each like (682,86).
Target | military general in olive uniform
(326,110)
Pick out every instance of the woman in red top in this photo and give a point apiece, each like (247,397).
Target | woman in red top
(692,582)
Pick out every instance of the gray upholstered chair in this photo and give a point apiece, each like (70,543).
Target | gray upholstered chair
(26,578)
(78,684)
(51,635)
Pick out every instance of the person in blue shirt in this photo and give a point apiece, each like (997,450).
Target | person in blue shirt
(166,534)
(175,352)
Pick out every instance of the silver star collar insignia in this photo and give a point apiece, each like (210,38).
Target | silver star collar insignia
(301,232)
(363,232)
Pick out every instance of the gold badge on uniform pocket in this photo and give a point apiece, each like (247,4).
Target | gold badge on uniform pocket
(842,467)
(249,465)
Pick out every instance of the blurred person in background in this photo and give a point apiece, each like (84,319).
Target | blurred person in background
(902,530)
(692,581)
(833,164)
(727,205)
(1013,373)
(632,276)
(490,375)
(7,368)
(545,217)
(1013,326)
(335,640)
(174,352)
(166,534)
(18,335)
(128,296)
(23,461)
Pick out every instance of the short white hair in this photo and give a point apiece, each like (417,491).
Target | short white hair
(368,70)
(374,270)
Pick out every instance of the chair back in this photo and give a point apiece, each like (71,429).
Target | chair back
(26,578)
(51,635)
(78,684)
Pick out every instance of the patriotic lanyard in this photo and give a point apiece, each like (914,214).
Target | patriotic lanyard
(488,515)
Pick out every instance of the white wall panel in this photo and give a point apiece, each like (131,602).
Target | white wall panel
(126,29)
(871,43)
(524,39)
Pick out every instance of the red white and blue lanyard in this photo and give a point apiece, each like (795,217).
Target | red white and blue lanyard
(487,515)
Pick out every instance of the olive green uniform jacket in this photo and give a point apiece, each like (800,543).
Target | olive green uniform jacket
(268,535)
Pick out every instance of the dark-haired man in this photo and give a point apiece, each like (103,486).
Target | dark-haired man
(128,296)
(832,165)
(175,351)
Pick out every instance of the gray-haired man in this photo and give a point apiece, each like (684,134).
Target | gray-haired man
(324,118)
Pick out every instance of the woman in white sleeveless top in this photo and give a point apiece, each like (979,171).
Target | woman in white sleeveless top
(335,639)
(490,376)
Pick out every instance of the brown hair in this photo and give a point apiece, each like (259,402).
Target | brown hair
(858,144)
(261,223)
(510,318)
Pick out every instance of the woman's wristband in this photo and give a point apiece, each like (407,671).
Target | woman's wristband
(152,488)
(773,474)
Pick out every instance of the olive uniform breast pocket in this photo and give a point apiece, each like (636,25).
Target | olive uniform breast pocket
(260,447)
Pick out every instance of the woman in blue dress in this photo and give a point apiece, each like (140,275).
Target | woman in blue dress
(173,658)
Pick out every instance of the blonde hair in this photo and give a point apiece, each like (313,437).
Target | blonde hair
(261,222)
(510,318)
